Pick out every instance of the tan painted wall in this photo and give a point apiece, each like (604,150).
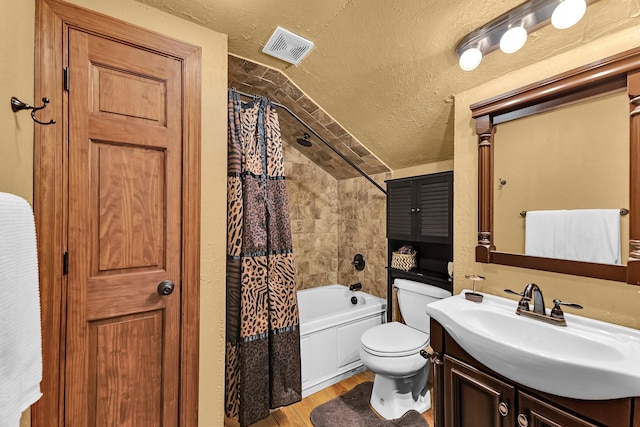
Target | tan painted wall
(605,300)
(427,168)
(16,79)
(16,159)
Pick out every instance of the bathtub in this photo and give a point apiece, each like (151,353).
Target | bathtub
(330,330)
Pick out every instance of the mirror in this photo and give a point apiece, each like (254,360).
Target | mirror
(569,142)
(562,159)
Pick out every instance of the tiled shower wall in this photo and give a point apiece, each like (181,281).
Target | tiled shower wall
(313,206)
(363,230)
(332,221)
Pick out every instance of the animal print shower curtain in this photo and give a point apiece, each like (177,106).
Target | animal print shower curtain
(262,330)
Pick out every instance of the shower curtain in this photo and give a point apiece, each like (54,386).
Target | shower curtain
(262,329)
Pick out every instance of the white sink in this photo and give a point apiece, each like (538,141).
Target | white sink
(587,359)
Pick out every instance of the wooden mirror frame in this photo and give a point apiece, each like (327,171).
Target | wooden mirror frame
(618,72)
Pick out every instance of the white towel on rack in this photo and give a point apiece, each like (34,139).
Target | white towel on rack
(20,333)
(593,235)
(545,233)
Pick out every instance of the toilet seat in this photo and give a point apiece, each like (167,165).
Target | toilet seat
(393,340)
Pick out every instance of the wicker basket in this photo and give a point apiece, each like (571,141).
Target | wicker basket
(403,261)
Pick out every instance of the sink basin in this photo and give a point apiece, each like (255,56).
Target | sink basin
(587,359)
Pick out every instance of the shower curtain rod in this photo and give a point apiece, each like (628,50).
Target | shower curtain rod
(334,149)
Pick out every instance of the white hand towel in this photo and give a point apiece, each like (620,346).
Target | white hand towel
(593,235)
(20,333)
(545,233)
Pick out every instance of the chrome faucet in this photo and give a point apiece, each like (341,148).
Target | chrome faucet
(532,291)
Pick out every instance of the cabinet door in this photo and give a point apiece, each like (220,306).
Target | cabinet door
(434,204)
(473,398)
(536,413)
(399,211)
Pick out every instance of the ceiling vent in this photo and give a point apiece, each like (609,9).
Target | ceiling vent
(287,46)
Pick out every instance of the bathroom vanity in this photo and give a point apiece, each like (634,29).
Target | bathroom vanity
(467,393)
(496,368)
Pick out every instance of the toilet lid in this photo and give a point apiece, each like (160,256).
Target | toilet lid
(393,339)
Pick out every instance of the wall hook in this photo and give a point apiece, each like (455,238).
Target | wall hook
(501,182)
(17,105)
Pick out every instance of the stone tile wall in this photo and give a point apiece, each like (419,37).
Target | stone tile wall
(331,221)
(362,230)
(313,205)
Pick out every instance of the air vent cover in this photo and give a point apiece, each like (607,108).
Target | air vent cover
(287,46)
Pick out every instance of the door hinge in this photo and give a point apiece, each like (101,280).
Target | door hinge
(65,78)
(65,263)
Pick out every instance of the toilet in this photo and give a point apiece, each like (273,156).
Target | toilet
(392,352)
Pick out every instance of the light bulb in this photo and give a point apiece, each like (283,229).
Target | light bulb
(513,39)
(470,59)
(568,13)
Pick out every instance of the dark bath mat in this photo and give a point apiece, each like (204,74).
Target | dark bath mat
(352,409)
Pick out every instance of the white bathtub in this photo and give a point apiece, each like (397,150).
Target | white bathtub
(330,331)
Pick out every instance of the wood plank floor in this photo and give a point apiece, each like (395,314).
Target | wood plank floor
(297,415)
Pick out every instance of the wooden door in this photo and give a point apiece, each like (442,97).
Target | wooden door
(536,413)
(124,235)
(473,398)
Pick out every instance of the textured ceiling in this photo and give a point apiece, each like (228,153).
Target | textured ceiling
(386,70)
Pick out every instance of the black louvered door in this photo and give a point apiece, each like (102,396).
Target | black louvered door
(433,211)
(420,209)
(400,218)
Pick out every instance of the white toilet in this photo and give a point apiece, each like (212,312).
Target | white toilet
(392,352)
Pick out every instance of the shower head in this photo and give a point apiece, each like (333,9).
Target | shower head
(304,141)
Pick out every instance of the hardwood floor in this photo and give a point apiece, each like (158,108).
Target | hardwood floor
(297,415)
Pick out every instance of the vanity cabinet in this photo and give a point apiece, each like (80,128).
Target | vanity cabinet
(467,393)
(537,413)
(476,399)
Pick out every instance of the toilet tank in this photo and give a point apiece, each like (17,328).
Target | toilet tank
(413,297)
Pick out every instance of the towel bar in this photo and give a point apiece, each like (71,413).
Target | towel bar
(623,211)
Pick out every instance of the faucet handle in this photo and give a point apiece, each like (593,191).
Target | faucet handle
(509,291)
(523,304)
(557,312)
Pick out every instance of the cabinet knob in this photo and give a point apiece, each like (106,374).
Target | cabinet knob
(522,420)
(418,210)
(413,209)
(503,408)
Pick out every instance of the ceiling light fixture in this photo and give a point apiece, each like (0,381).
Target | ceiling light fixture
(470,59)
(509,31)
(568,13)
(513,39)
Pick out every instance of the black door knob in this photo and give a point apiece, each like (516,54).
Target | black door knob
(165,287)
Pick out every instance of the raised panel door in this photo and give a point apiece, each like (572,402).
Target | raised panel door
(533,412)
(125,175)
(473,398)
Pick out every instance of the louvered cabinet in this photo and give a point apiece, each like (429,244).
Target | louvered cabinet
(420,214)
(419,209)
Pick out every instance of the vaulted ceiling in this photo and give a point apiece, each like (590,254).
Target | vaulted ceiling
(386,70)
